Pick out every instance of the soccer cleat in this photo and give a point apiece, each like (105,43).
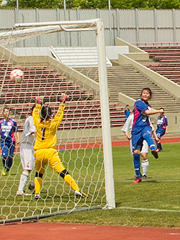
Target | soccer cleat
(137,180)
(4,172)
(158,150)
(37,196)
(80,194)
(31,188)
(144,176)
(22,193)
(155,153)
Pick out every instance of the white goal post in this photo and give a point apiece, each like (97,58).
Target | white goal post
(15,53)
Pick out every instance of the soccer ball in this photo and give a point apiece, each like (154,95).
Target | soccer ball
(17,75)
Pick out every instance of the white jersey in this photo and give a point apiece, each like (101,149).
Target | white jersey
(27,144)
(28,132)
(128,127)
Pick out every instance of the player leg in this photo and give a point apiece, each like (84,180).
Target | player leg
(146,133)
(56,164)
(9,160)
(4,149)
(27,161)
(31,185)
(144,162)
(40,163)
(159,134)
(136,145)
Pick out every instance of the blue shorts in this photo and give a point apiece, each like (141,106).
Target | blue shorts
(160,132)
(7,149)
(137,137)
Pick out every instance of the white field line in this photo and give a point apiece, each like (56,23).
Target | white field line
(150,209)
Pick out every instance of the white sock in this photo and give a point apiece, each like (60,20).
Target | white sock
(145,166)
(23,181)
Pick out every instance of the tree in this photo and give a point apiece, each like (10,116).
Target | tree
(94,4)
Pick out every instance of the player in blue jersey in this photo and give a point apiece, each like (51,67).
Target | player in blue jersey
(9,138)
(162,128)
(141,129)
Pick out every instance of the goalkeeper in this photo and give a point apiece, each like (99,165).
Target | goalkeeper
(45,145)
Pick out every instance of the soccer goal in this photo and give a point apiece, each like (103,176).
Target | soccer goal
(56,58)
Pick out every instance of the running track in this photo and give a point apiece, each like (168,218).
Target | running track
(53,231)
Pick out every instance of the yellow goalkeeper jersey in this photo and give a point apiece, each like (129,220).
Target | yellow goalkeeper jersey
(46,136)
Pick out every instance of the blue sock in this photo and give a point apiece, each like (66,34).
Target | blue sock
(9,162)
(149,141)
(136,161)
(159,146)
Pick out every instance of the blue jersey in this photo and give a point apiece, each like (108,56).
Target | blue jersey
(127,113)
(7,130)
(141,119)
(162,122)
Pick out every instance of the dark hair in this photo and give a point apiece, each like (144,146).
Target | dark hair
(148,89)
(33,106)
(6,108)
(45,112)
(162,108)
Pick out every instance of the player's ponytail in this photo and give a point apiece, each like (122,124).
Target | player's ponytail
(45,113)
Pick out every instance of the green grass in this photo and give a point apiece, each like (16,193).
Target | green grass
(154,202)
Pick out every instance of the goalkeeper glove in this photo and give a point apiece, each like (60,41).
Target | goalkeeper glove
(39,100)
(64,98)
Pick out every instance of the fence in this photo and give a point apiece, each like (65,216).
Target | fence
(130,25)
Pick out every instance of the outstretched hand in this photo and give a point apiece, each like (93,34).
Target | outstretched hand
(39,99)
(63,98)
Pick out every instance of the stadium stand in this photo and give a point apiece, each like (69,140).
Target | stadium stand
(165,60)
(82,110)
(129,81)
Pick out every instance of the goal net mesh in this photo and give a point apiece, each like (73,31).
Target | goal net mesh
(55,59)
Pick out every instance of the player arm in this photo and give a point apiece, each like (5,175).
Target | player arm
(166,129)
(126,128)
(32,129)
(36,114)
(60,113)
(127,135)
(17,138)
(155,136)
(151,112)
(166,123)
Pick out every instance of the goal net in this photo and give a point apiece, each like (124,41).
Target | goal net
(56,58)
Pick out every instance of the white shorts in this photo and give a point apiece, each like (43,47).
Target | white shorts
(144,148)
(27,156)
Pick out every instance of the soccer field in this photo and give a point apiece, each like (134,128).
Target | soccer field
(153,202)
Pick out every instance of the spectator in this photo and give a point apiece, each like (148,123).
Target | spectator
(127,112)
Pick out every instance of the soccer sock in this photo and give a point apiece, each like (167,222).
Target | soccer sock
(32,183)
(70,181)
(23,181)
(9,162)
(149,141)
(136,161)
(37,183)
(4,162)
(145,166)
(159,146)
